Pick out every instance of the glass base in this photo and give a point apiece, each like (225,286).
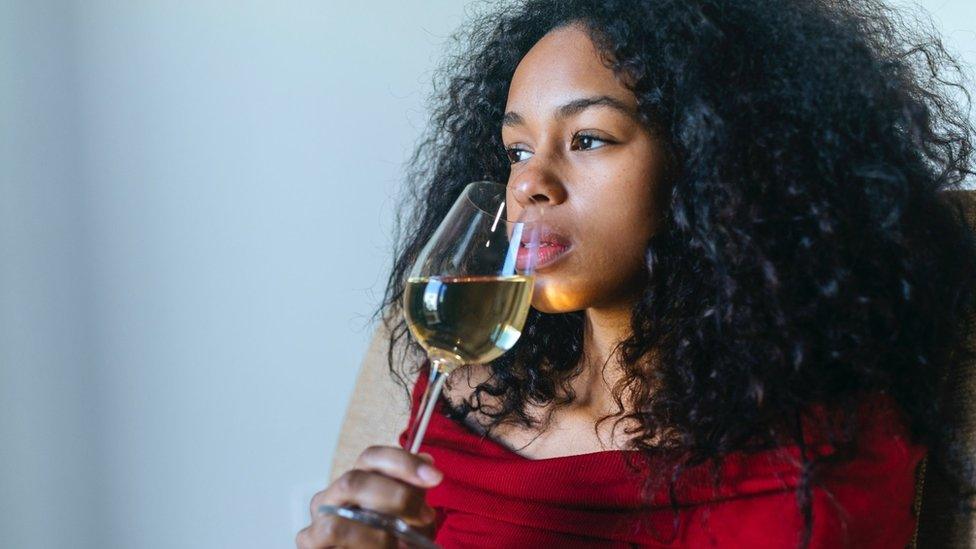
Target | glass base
(393,525)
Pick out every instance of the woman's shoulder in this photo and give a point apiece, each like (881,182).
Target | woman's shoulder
(460,385)
(860,498)
(879,449)
(876,422)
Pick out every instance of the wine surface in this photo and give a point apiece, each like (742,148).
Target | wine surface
(472,319)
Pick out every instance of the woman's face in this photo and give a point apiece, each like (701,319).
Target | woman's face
(576,145)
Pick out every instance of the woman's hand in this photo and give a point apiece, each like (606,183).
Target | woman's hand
(387,479)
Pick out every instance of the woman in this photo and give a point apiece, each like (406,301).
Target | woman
(759,281)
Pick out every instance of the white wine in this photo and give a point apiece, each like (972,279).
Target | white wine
(467,319)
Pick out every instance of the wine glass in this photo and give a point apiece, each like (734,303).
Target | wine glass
(465,302)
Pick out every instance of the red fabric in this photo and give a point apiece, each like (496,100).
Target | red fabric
(493,497)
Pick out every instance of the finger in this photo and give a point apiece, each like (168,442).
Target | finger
(399,464)
(329,531)
(377,492)
(416,514)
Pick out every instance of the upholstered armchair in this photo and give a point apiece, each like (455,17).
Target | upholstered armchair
(938,526)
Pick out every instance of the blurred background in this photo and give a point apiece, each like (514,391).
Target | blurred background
(195,215)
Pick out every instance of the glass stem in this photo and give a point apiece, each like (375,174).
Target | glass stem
(439,370)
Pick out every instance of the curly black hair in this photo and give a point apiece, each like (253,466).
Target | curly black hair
(809,252)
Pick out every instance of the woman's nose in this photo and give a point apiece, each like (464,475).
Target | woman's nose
(538,186)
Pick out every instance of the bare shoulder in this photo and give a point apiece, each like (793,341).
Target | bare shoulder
(558,432)
(460,385)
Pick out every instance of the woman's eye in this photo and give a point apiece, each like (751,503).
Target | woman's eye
(581,141)
(585,141)
(513,154)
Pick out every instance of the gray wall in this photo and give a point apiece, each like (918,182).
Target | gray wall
(194,227)
(49,449)
(194,215)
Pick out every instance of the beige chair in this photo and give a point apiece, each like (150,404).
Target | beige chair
(379,409)
(937,525)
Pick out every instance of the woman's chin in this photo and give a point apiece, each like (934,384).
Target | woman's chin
(554,299)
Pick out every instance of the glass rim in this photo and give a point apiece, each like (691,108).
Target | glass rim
(504,188)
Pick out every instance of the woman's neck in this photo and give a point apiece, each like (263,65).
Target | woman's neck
(603,330)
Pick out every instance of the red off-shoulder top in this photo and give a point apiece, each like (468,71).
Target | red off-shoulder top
(494,497)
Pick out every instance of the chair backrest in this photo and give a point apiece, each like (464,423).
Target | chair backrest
(938,525)
(378,411)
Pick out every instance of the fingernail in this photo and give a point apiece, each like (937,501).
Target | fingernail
(429,474)
(426,457)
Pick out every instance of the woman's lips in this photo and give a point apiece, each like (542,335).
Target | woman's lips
(549,253)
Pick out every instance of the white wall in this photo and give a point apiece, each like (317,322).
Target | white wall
(48,448)
(194,221)
(239,160)
(194,224)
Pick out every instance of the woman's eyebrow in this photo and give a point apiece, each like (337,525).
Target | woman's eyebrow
(575,107)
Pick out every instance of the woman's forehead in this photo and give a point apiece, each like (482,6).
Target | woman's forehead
(563,66)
